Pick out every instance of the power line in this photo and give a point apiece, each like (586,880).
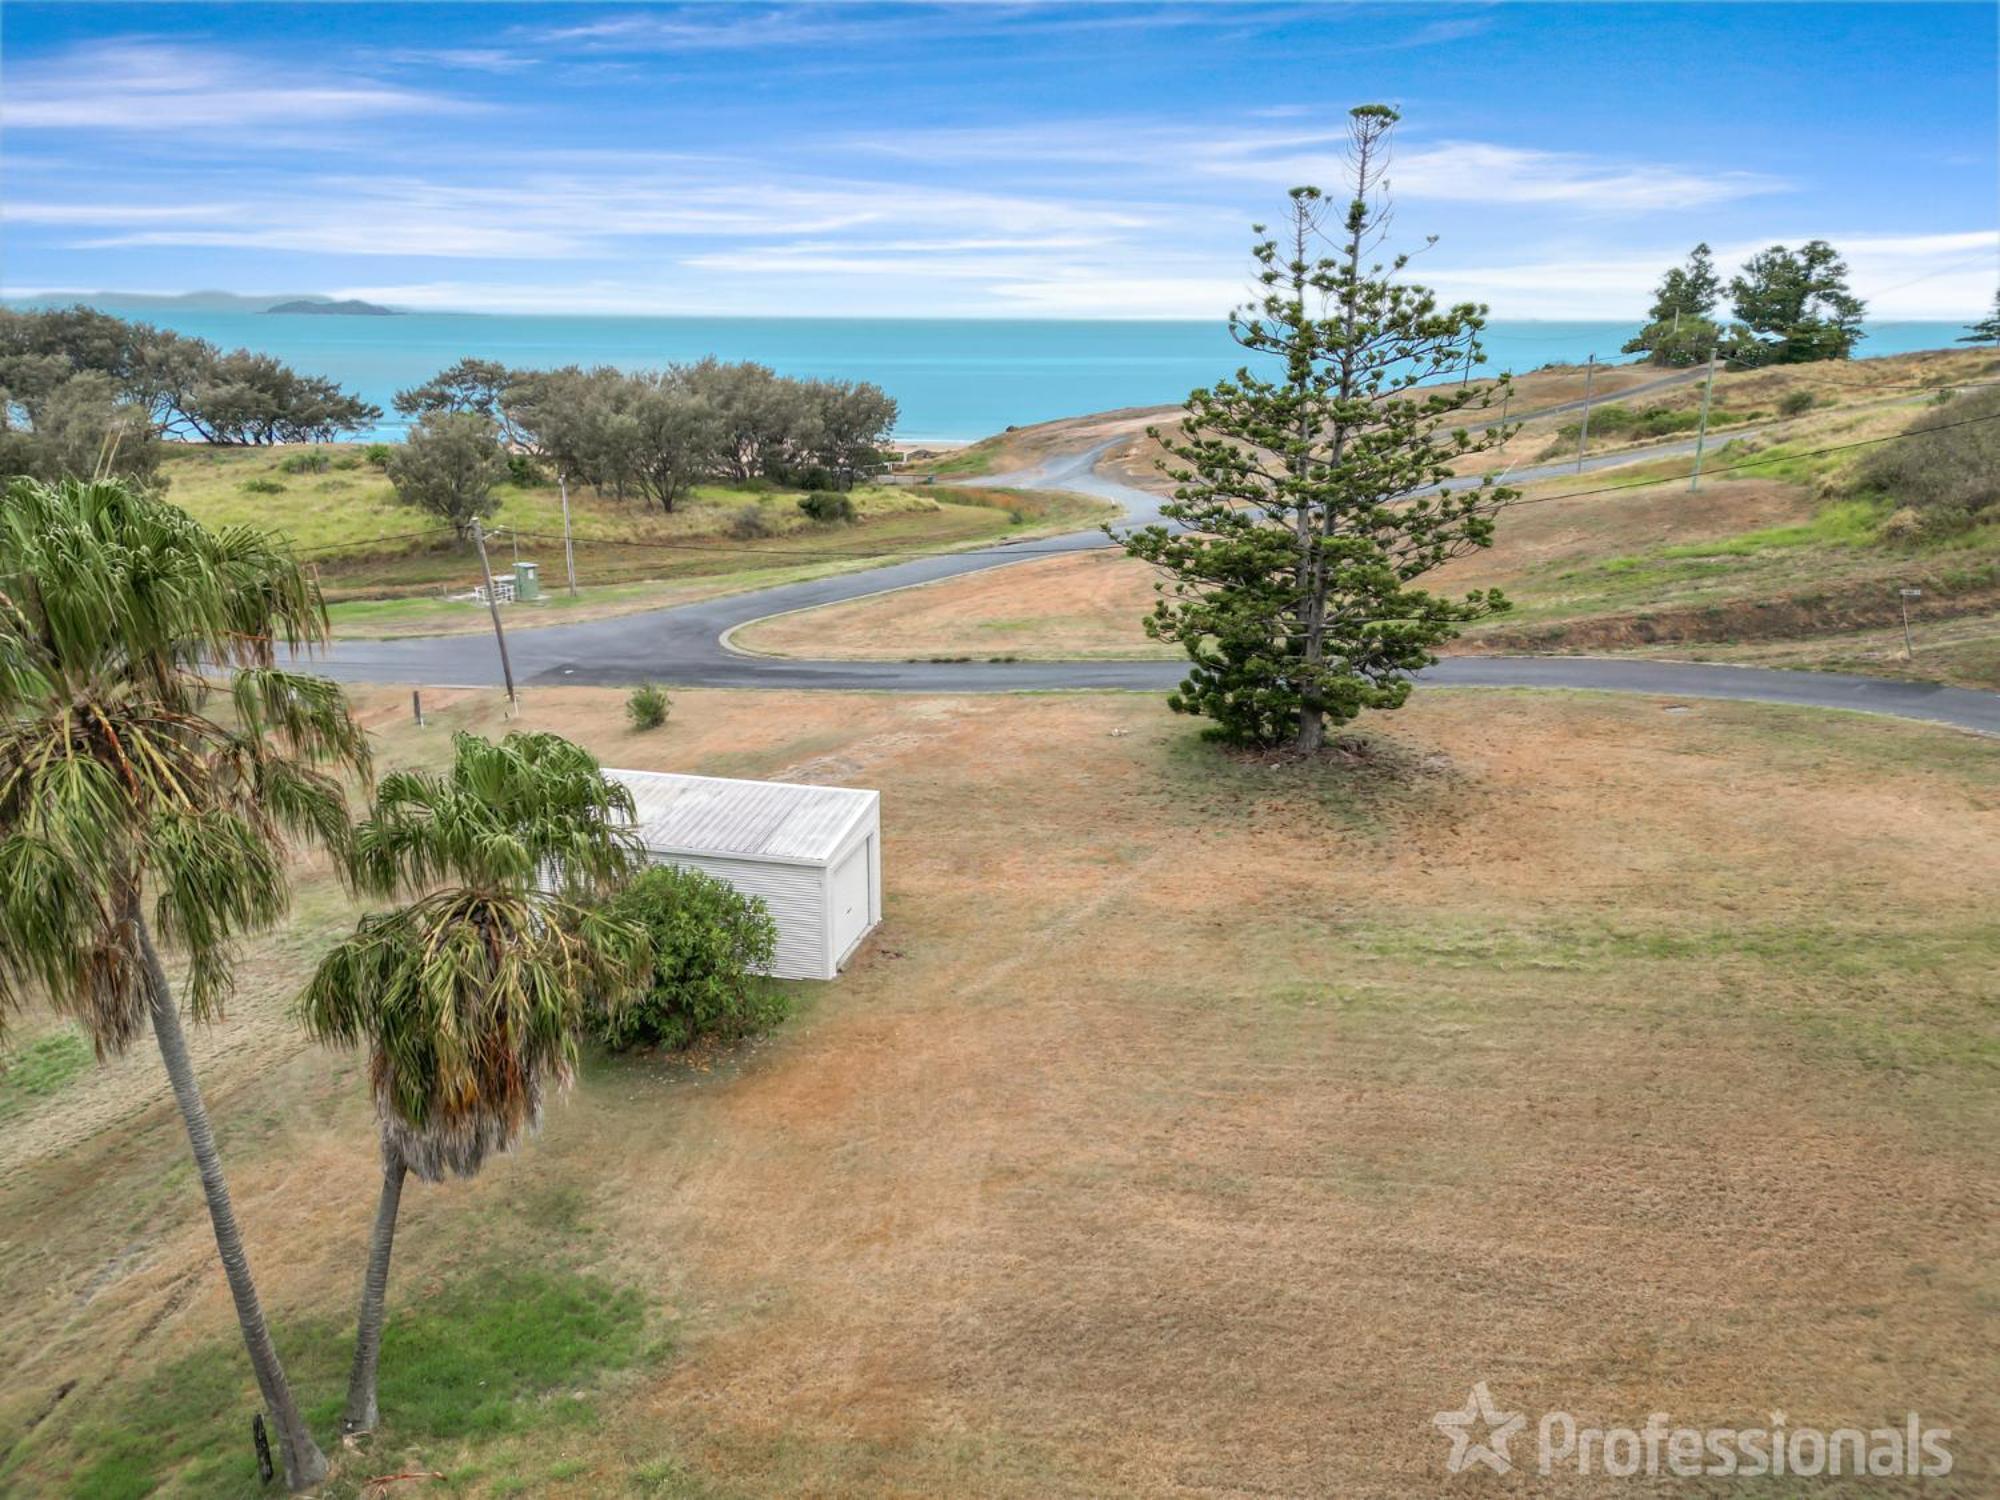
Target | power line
(394,536)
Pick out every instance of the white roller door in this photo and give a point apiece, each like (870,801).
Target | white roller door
(850,899)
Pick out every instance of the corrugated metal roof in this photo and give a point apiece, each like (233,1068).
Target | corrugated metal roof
(755,819)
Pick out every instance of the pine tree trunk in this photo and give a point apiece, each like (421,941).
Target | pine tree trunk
(304,1464)
(1312,729)
(361,1412)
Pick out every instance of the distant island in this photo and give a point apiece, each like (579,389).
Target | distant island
(352,307)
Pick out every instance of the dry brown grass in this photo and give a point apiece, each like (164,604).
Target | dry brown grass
(1091,605)
(1193,1126)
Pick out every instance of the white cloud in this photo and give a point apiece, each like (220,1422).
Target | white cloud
(600,205)
(1289,152)
(1938,276)
(166,86)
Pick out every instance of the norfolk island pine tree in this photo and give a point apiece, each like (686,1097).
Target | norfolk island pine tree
(128,810)
(1302,500)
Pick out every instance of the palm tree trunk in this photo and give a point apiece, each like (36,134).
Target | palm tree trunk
(361,1413)
(305,1465)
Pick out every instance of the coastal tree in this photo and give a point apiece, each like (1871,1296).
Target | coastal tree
(448,466)
(852,420)
(1987,329)
(1680,327)
(191,388)
(474,385)
(1308,505)
(82,429)
(469,998)
(135,816)
(677,438)
(1795,307)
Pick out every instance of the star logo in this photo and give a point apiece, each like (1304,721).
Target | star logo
(1500,1427)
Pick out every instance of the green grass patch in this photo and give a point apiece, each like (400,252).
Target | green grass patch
(497,1352)
(42,1067)
(1842,523)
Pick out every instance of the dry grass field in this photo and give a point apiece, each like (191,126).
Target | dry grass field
(1192,1125)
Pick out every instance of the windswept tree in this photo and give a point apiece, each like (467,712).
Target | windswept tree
(190,388)
(474,385)
(134,817)
(448,466)
(1987,329)
(1680,328)
(470,997)
(1309,504)
(1795,307)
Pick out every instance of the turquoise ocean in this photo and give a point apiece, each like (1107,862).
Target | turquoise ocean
(954,379)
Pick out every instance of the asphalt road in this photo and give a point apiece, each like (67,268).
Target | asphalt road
(685,646)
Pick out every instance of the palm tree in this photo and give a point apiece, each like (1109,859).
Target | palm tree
(128,810)
(469,997)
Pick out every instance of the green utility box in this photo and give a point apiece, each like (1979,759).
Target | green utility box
(527,581)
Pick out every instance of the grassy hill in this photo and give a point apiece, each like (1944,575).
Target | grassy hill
(389,568)
(1779,556)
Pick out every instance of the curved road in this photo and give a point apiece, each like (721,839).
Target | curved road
(686,646)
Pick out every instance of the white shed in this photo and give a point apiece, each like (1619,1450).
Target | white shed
(814,853)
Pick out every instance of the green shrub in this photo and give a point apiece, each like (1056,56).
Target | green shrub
(1797,403)
(749,523)
(263,487)
(523,470)
(314,462)
(1613,420)
(827,506)
(709,940)
(378,454)
(648,707)
(349,461)
(1945,466)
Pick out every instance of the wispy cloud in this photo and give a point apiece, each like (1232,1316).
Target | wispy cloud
(1289,152)
(580,206)
(741,27)
(146,85)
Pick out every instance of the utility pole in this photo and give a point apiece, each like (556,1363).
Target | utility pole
(1909,651)
(493,606)
(1583,431)
(1701,433)
(569,552)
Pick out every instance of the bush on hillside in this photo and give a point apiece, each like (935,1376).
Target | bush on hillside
(264,486)
(750,523)
(648,706)
(709,941)
(1797,403)
(1945,467)
(378,454)
(1613,420)
(524,471)
(827,506)
(313,462)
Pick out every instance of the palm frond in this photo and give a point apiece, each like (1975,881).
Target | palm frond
(114,781)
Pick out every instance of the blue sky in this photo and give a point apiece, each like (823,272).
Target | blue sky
(983,160)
